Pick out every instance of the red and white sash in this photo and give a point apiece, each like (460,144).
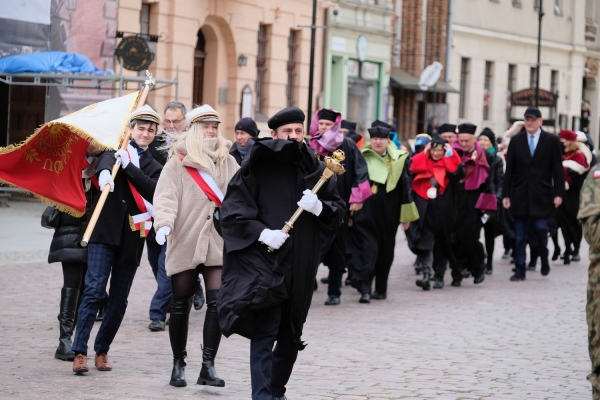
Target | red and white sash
(141,222)
(207,184)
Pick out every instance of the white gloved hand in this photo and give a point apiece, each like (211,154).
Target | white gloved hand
(161,234)
(123,156)
(273,238)
(104,179)
(311,203)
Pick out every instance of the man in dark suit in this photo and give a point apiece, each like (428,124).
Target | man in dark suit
(534,184)
(116,244)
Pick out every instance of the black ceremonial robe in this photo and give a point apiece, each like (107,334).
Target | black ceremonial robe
(263,194)
(356,177)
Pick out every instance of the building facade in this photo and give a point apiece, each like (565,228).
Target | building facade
(357,59)
(494,56)
(245,58)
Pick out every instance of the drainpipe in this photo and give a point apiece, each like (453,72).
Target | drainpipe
(424,33)
(449,39)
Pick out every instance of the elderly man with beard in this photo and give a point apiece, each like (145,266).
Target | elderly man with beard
(352,186)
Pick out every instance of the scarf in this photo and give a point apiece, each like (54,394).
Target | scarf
(210,148)
(242,150)
(328,142)
(139,149)
(424,168)
(477,168)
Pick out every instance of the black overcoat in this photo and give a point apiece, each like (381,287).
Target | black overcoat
(263,195)
(113,224)
(532,182)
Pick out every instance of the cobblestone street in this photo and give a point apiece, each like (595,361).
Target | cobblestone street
(497,340)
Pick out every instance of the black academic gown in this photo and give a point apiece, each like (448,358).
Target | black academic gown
(374,229)
(263,194)
(566,214)
(333,246)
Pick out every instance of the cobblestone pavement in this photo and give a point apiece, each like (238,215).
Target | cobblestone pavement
(497,340)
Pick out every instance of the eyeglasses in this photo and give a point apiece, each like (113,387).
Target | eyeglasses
(174,122)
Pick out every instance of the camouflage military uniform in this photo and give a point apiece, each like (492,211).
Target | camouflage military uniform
(589,215)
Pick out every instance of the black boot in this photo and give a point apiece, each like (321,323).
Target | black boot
(212,339)
(178,333)
(102,308)
(424,282)
(66,321)
(556,253)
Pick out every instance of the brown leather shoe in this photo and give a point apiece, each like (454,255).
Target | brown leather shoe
(101,362)
(80,364)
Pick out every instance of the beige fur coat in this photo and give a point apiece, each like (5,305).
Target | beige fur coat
(180,204)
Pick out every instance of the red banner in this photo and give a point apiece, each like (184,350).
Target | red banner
(48,164)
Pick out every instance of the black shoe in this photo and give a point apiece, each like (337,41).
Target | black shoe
(506,255)
(424,282)
(517,277)
(332,301)
(378,296)
(455,283)
(439,283)
(489,270)
(567,260)
(348,281)
(208,375)
(418,270)
(280,398)
(365,298)
(466,273)
(325,280)
(545,269)
(531,267)
(576,257)
(178,373)
(66,320)
(562,256)
(157,325)
(556,254)
(478,279)
(199,299)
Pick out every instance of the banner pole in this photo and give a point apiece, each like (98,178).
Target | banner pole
(148,84)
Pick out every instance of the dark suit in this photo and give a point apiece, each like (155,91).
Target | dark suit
(114,250)
(532,183)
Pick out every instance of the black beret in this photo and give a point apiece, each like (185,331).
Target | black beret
(382,124)
(446,128)
(289,115)
(467,127)
(490,135)
(328,114)
(247,125)
(380,132)
(438,140)
(348,125)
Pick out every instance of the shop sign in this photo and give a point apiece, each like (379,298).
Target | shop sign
(526,98)
(430,75)
(369,71)
(135,53)
(362,47)
(353,68)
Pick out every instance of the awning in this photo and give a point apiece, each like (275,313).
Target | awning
(403,80)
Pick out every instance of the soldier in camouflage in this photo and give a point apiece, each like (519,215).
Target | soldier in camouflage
(589,216)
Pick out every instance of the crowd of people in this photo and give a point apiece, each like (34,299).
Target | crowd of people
(211,208)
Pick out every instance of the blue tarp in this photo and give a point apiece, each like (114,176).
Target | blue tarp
(49,61)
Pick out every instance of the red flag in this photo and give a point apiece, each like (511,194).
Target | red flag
(49,163)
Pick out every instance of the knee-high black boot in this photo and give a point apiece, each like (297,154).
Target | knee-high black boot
(424,282)
(66,320)
(556,253)
(212,338)
(178,333)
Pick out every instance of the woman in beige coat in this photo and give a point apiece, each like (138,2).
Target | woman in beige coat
(183,215)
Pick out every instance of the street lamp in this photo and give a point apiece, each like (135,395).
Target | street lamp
(313,29)
(539,49)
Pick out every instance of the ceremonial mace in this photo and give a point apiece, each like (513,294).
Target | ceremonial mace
(332,166)
(148,84)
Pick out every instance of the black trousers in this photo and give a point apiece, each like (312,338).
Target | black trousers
(270,369)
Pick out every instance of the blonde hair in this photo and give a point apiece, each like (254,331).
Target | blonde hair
(191,144)
(571,145)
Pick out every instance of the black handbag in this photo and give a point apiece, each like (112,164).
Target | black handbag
(50,218)
(217,220)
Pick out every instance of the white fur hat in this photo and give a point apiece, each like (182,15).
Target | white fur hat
(581,136)
(204,113)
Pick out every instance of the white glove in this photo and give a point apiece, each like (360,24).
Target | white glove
(104,179)
(311,203)
(123,156)
(161,234)
(272,238)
